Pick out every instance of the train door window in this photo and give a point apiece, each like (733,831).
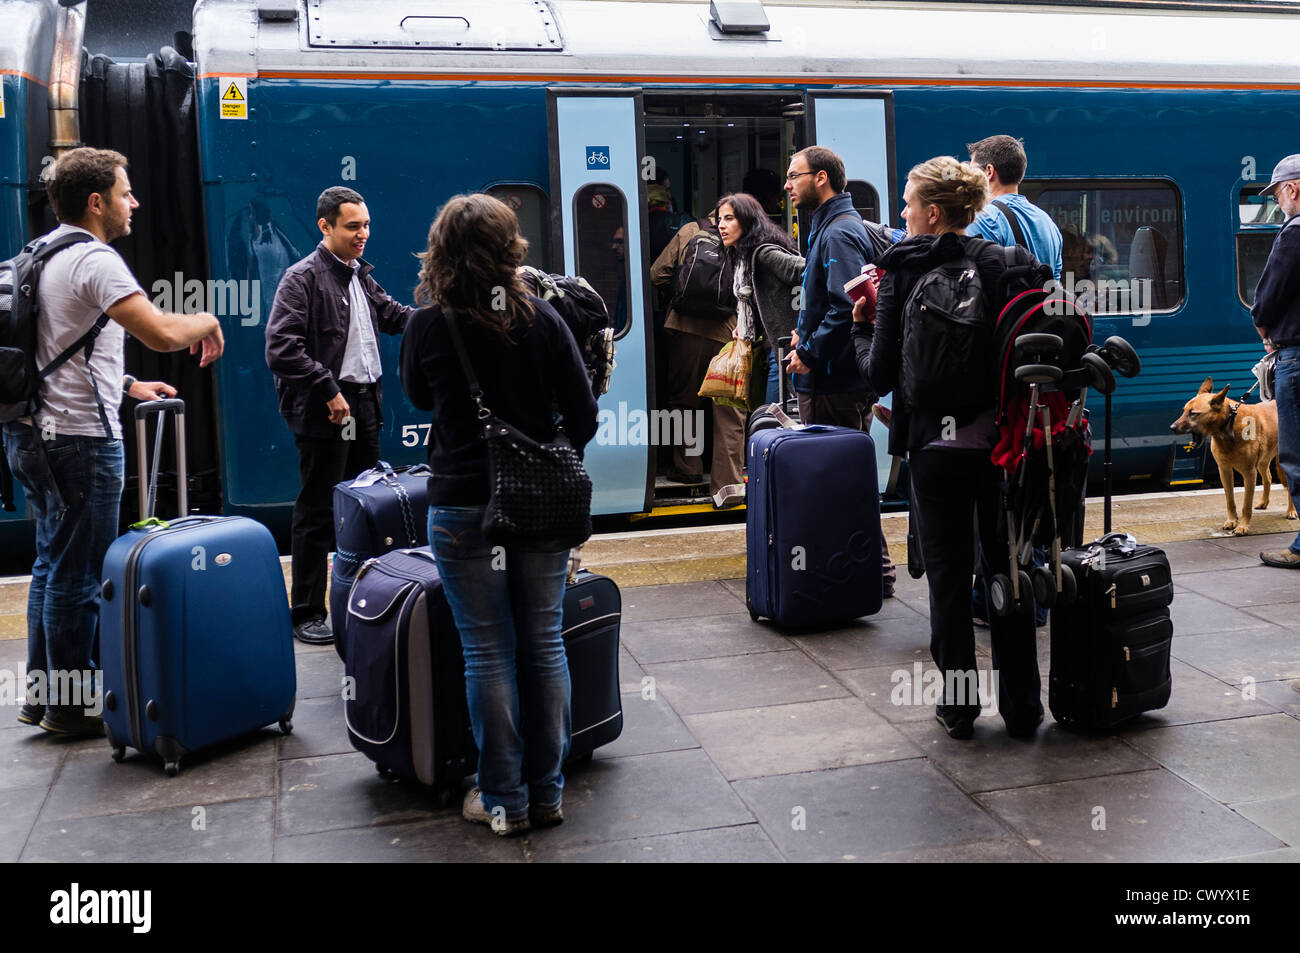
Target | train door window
(1259,218)
(865,200)
(1122,241)
(600,234)
(529,205)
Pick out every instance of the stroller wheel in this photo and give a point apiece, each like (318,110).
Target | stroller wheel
(1040,373)
(1120,355)
(1000,597)
(1044,587)
(1038,347)
(1026,603)
(1069,586)
(1103,378)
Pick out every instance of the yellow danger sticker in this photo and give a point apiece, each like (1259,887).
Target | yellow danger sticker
(2,98)
(234,97)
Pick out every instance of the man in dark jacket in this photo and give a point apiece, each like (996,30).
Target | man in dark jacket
(1276,314)
(828,385)
(322,346)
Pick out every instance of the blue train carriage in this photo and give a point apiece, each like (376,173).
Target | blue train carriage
(1150,130)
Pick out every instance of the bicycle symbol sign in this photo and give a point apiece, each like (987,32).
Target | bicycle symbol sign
(598,157)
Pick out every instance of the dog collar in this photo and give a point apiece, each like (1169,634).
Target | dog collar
(1230,428)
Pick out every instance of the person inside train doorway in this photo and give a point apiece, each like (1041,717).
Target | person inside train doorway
(1010,218)
(322,346)
(693,341)
(1276,315)
(67,455)
(829,388)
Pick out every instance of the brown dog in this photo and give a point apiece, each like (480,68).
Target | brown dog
(1243,438)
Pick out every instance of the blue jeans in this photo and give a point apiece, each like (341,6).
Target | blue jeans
(1286,390)
(74,490)
(773,376)
(508,604)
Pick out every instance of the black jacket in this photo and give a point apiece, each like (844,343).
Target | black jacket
(521,382)
(1277,296)
(880,350)
(307,335)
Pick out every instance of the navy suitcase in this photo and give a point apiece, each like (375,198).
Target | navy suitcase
(195,642)
(593,610)
(812,527)
(382,509)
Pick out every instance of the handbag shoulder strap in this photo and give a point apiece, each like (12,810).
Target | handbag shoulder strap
(475,391)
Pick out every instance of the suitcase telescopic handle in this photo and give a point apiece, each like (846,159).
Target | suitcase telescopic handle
(149,493)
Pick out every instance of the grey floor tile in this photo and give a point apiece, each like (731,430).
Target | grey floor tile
(807,736)
(649,725)
(29,757)
(1285,614)
(868,644)
(319,674)
(889,690)
(1244,759)
(318,728)
(18,810)
(1149,817)
(665,793)
(1253,545)
(993,760)
(229,832)
(734,586)
(339,791)
(1279,816)
(1196,697)
(1285,695)
(681,601)
(745,844)
(444,839)
(1286,855)
(1265,654)
(867,812)
(1256,586)
(1204,555)
(91,784)
(743,681)
(630,673)
(673,640)
(1194,614)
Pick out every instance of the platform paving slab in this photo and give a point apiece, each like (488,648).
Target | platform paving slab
(1283,695)
(622,798)
(1279,816)
(805,736)
(649,725)
(899,641)
(870,813)
(1254,544)
(447,838)
(230,832)
(1236,760)
(878,687)
(1206,555)
(30,757)
(683,601)
(1285,614)
(743,681)
(1258,585)
(320,674)
(335,792)
(1197,697)
(1195,614)
(629,671)
(743,844)
(1150,817)
(19,808)
(1285,855)
(318,729)
(993,760)
(717,636)
(1264,654)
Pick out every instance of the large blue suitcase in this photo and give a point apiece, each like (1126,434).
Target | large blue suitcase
(195,641)
(812,526)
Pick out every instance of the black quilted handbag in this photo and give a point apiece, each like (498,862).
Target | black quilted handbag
(540,492)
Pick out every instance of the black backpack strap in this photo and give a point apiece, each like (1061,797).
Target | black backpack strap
(1011,220)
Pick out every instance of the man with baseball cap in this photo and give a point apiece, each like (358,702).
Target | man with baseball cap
(1276,313)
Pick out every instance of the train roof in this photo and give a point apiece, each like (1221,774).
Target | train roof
(1183,43)
(27,30)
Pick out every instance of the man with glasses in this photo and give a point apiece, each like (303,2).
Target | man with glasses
(1276,314)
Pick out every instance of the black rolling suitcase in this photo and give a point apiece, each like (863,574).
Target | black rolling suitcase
(593,609)
(1110,647)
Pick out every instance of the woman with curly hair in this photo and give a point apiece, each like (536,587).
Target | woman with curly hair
(508,614)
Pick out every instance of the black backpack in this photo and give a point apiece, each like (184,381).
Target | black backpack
(20,378)
(583,310)
(702,284)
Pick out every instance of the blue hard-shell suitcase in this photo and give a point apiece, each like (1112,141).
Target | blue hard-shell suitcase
(812,526)
(196,645)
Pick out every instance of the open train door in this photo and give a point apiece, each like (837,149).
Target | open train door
(859,127)
(598,218)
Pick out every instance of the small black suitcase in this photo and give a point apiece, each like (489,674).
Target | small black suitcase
(593,609)
(1110,646)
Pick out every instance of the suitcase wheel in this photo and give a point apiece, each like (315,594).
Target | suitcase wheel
(172,768)
(286,725)
(1069,586)
(1026,603)
(1000,596)
(119,752)
(382,771)
(1045,586)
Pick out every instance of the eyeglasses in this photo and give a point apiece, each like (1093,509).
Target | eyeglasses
(794,175)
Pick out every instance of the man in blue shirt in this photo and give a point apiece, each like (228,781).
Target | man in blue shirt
(1018,221)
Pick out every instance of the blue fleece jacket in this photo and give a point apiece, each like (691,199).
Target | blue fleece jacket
(837,250)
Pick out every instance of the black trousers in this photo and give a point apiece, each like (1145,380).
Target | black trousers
(955,492)
(323,462)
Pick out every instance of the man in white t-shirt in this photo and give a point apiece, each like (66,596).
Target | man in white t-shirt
(68,455)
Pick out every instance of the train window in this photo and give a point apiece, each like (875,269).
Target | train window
(529,205)
(865,200)
(1258,218)
(1121,238)
(600,232)
(1256,209)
